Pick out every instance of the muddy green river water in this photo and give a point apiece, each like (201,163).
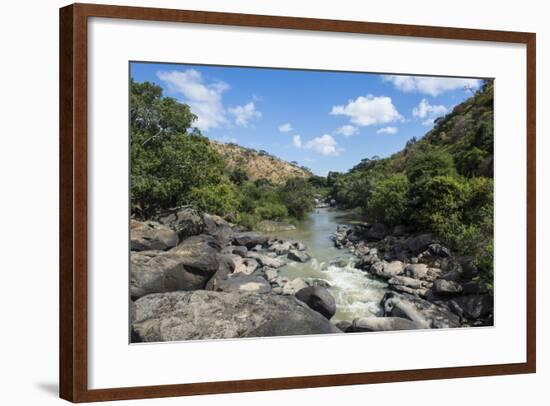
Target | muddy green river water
(356,294)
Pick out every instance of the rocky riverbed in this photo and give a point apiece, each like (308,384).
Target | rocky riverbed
(195,276)
(428,286)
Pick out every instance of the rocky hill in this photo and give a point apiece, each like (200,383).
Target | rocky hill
(259,164)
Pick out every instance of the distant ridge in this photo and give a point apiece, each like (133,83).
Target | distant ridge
(259,164)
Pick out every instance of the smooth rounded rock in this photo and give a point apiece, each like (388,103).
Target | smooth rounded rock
(319,299)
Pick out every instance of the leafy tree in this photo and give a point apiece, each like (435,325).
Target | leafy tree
(269,210)
(222,199)
(238,176)
(437,203)
(297,196)
(168,157)
(469,161)
(429,163)
(388,201)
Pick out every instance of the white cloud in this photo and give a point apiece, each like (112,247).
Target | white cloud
(369,110)
(243,114)
(347,130)
(297,141)
(204,99)
(324,145)
(285,128)
(428,112)
(433,86)
(387,130)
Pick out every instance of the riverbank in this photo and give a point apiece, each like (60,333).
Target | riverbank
(428,285)
(194,276)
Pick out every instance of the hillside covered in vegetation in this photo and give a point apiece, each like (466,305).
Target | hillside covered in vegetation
(172,165)
(442,183)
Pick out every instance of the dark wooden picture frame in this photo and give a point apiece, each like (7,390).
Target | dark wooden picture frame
(73,362)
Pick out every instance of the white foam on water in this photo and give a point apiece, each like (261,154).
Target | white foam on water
(355,293)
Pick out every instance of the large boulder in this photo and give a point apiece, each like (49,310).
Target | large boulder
(250,239)
(397,251)
(419,243)
(406,281)
(271,274)
(370,324)
(293,286)
(319,299)
(344,325)
(387,270)
(298,256)
(240,250)
(244,283)
(421,271)
(218,228)
(187,266)
(439,250)
(416,271)
(186,221)
(376,232)
(298,245)
(205,314)
(446,288)
(226,266)
(422,312)
(469,269)
(150,235)
(265,260)
(280,248)
(475,306)
(245,266)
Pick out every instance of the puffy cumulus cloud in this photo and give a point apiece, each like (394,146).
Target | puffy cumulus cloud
(297,141)
(285,128)
(433,86)
(244,114)
(205,99)
(369,110)
(347,130)
(428,112)
(387,130)
(324,145)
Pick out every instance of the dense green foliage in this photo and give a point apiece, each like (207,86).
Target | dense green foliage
(387,202)
(173,164)
(168,158)
(297,195)
(442,183)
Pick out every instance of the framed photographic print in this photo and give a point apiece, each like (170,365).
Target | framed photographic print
(357,199)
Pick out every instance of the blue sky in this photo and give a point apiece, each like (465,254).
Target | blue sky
(327,121)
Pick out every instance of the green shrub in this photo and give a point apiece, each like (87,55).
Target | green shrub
(429,163)
(388,201)
(271,211)
(437,204)
(248,220)
(297,196)
(222,199)
(238,176)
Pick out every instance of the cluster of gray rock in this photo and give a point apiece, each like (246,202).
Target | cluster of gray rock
(428,286)
(194,276)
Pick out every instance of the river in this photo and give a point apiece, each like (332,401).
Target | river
(355,292)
